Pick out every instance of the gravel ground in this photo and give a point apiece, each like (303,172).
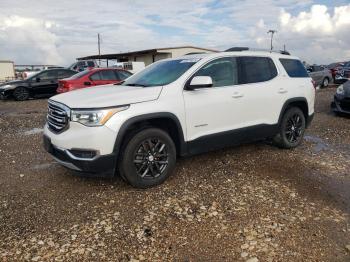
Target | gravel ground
(250,203)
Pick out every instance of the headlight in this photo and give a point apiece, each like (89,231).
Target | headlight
(96,117)
(7,87)
(340,90)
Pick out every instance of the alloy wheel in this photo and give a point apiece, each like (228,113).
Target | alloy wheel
(21,94)
(151,158)
(294,128)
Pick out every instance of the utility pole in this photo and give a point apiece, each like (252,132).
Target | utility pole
(272,32)
(99,48)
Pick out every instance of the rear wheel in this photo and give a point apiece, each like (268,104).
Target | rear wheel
(21,93)
(148,158)
(292,128)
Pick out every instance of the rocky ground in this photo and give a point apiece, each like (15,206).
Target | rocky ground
(249,203)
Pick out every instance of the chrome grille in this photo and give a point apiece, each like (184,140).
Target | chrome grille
(57,116)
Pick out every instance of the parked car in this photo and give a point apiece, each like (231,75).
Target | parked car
(180,107)
(42,83)
(83,65)
(321,75)
(343,73)
(93,77)
(334,67)
(341,103)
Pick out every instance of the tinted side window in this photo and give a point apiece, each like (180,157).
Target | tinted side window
(64,74)
(108,75)
(95,76)
(256,69)
(122,74)
(90,64)
(51,74)
(294,68)
(223,71)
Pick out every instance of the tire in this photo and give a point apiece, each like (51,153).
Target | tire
(325,82)
(148,158)
(21,93)
(291,129)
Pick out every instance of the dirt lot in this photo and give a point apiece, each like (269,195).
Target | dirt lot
(254,202)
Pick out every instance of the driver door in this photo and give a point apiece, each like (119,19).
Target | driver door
(45,82)
(210,111)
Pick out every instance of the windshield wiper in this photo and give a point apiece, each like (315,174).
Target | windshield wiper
(119,83)
(136,85)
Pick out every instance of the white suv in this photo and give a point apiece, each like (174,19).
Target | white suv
(179,107)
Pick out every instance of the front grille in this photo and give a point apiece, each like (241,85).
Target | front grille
(57,116)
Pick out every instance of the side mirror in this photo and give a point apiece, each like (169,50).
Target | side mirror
(200,82)
(87,83)
(37,79)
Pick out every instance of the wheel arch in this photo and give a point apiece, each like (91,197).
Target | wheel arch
(299,102)
(164,120)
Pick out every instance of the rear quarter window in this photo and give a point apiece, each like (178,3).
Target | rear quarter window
(294,67)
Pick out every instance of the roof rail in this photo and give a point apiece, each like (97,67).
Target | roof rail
(233,49)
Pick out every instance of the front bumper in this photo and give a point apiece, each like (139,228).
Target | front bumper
(100,165)
(4,94)
(341,104)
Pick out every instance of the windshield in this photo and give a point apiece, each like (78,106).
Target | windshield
(161,73)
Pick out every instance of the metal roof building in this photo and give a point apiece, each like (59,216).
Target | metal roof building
(149,56)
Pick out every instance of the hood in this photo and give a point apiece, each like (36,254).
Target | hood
(108,96)
(14,82)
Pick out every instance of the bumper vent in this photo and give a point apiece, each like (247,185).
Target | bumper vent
(57,116)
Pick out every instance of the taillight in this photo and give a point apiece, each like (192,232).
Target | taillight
(314,83)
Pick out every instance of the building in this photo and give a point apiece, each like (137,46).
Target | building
(7,71)
(150,55)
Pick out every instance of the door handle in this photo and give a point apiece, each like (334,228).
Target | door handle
(237,95)
(282,91)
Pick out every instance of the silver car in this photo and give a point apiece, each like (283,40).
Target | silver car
(321,75)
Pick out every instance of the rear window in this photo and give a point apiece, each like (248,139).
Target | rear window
(256,69)
(294,68)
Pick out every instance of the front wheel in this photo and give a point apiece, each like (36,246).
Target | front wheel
(21,93)
(292,129)
(148,158)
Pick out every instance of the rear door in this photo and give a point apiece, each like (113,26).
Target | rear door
(261,91)
(108,77)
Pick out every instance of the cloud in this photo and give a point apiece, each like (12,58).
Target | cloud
(57,32)
(28,39)
(319,35)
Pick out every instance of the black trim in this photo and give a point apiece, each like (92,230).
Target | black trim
(231,138)
(146,117)
(290,101)
(101,166)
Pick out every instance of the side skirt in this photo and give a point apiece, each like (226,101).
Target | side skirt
(231,138)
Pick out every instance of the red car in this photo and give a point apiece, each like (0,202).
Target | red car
(93,77)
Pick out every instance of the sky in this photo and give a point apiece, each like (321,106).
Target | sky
(57,32)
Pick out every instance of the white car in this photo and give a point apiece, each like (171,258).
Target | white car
(180,107)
